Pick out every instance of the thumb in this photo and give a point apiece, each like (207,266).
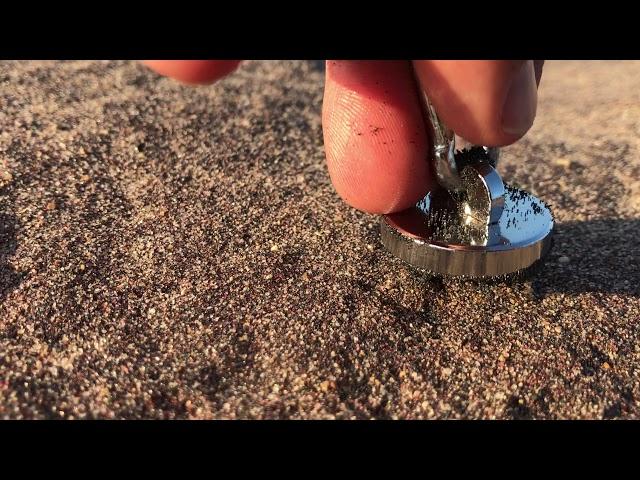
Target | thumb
(487,102)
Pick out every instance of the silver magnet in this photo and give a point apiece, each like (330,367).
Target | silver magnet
(473,225)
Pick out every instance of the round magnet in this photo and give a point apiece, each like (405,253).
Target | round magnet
(441,235)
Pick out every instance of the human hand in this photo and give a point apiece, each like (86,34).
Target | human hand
(375,139)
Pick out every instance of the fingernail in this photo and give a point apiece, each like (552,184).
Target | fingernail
(519,109)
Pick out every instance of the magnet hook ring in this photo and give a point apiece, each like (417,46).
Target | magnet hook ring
(481,182)
(444,148)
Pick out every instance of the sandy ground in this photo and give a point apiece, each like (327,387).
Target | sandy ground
(171,252)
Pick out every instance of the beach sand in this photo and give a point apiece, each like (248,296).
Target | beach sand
(177,252)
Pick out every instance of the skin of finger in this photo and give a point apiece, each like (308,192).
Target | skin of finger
(469,96)
(375,139)
(538,65)
(193,72)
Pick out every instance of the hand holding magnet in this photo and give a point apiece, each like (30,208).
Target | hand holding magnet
(472,225)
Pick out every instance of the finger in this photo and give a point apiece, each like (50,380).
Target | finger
(538,66)
(487,102)
(195,72)
(375,140)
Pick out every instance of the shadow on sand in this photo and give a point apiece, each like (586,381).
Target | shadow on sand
(601,256)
